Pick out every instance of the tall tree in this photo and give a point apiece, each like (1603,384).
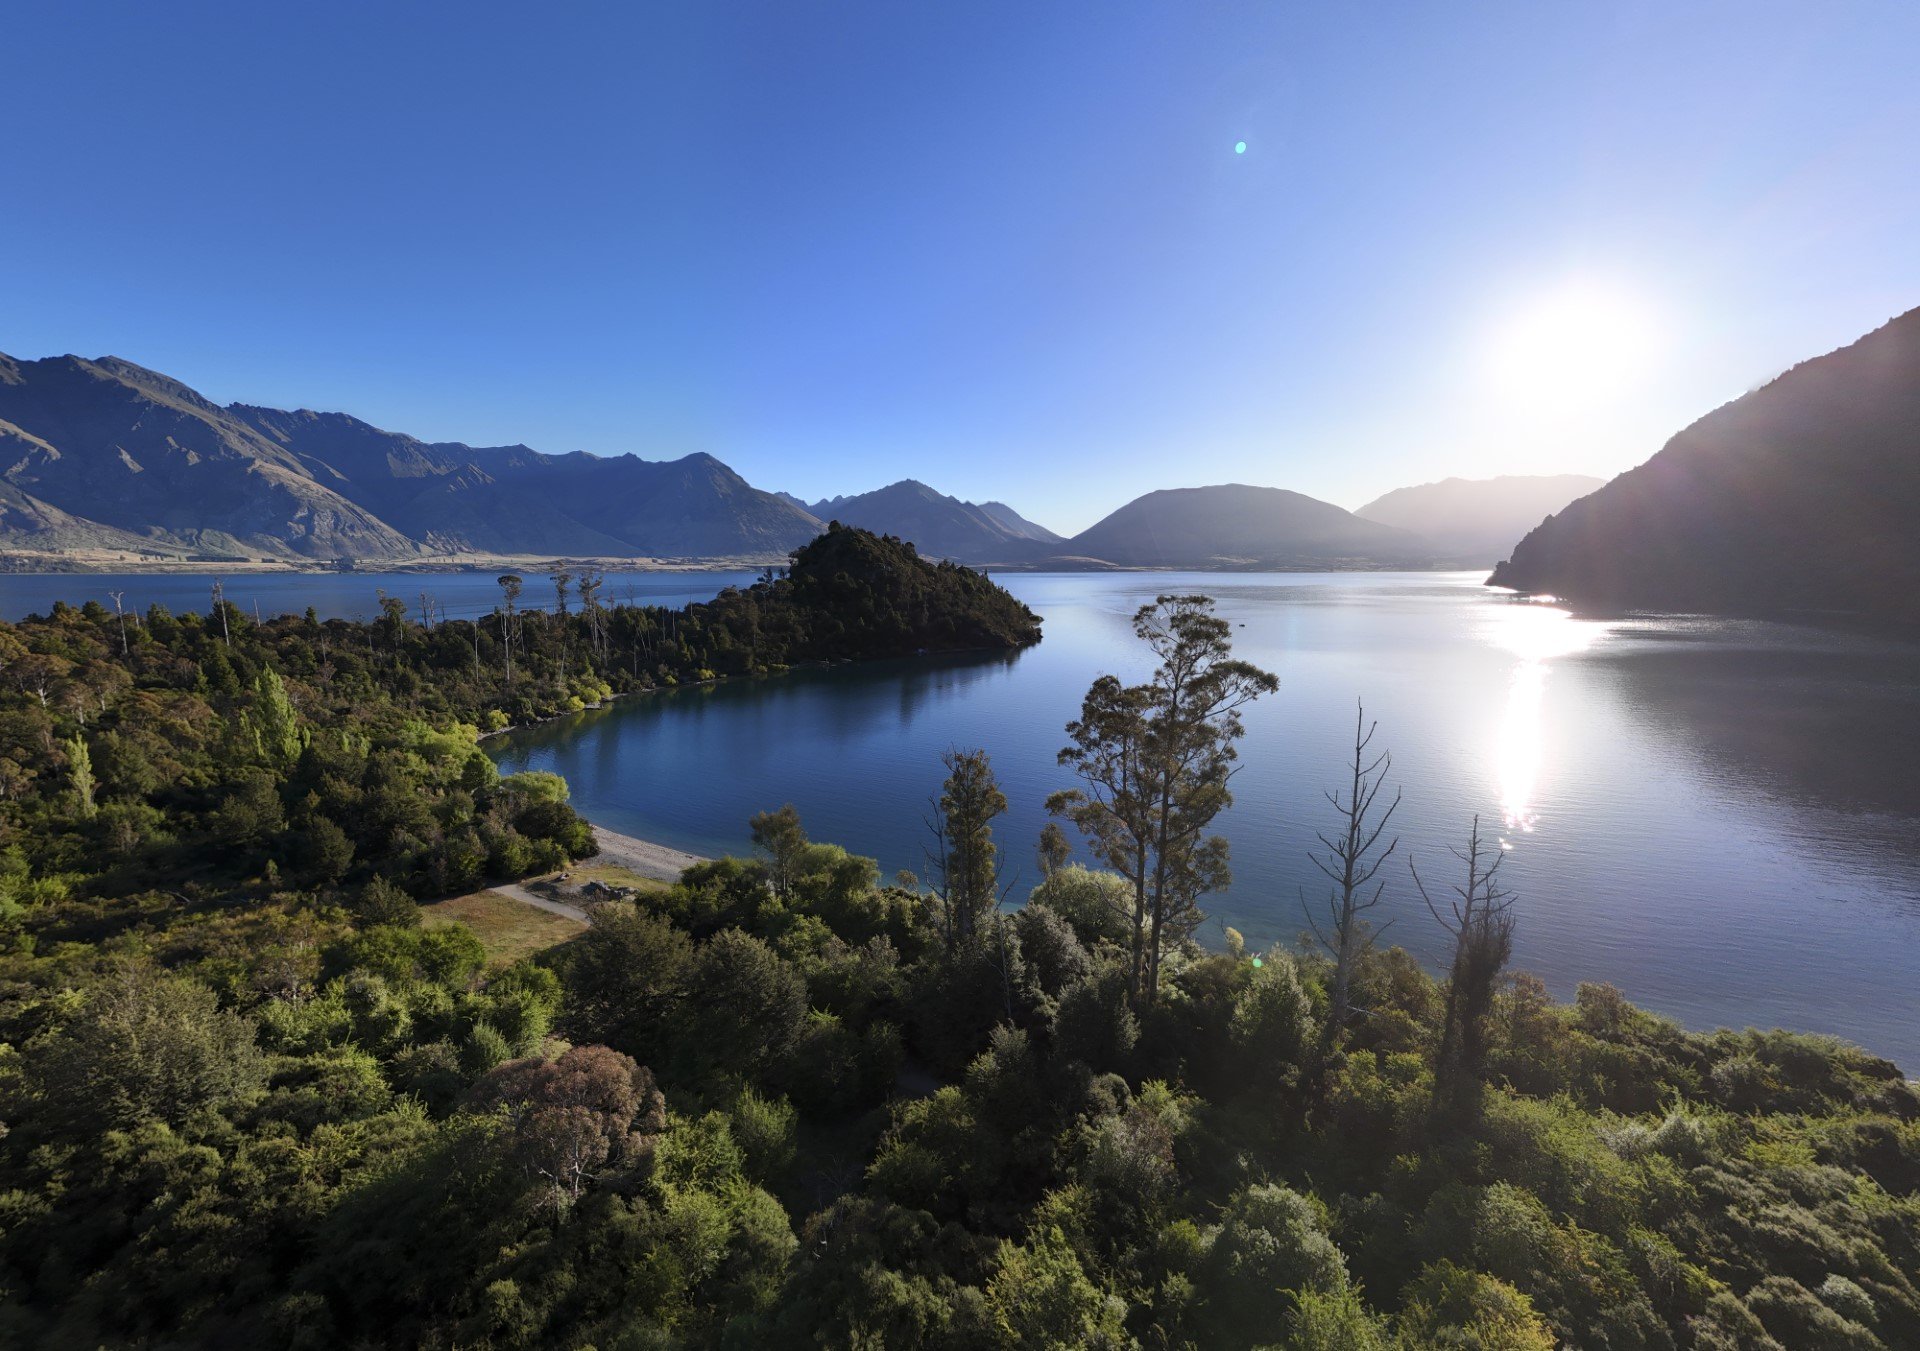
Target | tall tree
(220,608)
(779,836)
(281,739)
(120,612)
(510,584)
(1352,861)
(588,585)
(1155,761)
(1479,917)
(80,773)
(1055,851)
(965,859)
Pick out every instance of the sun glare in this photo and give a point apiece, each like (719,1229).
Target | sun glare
(1584,342)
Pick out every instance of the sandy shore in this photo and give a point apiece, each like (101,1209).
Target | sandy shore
(642,856)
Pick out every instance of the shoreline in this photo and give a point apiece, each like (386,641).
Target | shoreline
(644,857)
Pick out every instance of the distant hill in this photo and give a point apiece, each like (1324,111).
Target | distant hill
(1476,522)
(107,454)
(1800,497)
(1235,526)
(939,526)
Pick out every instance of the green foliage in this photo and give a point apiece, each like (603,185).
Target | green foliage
(1270,1243)
(1041,1297)
(1458,1309)
(1272,1022)
(143,1046)
(249,1101)
(1095,904)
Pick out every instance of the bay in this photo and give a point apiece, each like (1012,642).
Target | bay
(1721,817)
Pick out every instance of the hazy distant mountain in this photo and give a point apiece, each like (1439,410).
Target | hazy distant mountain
(106,454)
(1019,525)
(1476,522)
(1233,525)
(1803,495)
(940,526)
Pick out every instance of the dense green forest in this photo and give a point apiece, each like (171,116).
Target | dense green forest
(249,1101)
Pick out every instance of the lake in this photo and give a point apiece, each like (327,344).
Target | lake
(1721,817)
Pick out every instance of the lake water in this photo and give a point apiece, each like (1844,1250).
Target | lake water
(1720,817)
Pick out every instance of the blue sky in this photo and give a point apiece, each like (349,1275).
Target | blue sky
(1005,248)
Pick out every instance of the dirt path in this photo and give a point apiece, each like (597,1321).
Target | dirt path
(520,893)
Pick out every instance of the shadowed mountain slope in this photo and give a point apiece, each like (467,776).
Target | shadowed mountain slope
(1800,497)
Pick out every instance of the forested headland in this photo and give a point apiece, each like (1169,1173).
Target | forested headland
(249,1100)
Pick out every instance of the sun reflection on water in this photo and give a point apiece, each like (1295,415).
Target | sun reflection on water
(1536,634)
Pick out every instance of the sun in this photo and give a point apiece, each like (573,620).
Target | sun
(1581,343)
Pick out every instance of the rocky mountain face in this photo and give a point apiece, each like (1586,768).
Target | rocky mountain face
(109,446)
(1476,522)
(107,454)
(1236,526)
(1800,498)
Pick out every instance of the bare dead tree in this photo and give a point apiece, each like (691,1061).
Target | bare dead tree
(220,608)
(118,609)
(1479,916)
(1353,860)
(588,586)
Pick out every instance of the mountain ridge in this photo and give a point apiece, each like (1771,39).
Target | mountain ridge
(939,525)
(109,454)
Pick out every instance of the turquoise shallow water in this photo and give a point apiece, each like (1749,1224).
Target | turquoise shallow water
(1720,817)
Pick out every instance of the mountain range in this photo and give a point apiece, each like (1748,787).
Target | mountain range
(1801,497)
(105,455)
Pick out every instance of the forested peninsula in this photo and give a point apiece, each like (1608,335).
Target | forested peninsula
(250,1100)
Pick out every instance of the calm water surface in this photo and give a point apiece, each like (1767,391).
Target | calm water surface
(1721,817)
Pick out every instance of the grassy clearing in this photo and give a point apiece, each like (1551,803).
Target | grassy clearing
(509,929)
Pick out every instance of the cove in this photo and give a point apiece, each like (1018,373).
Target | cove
(1719,816)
